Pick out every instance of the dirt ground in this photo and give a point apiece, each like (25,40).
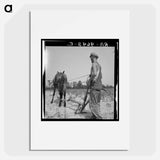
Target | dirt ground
(53,111)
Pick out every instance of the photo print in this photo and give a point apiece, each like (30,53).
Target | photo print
(80,79)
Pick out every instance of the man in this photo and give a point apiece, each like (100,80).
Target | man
(95,86)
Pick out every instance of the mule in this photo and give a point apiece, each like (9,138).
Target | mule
(60,84)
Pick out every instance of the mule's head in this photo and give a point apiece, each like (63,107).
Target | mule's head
(59,76)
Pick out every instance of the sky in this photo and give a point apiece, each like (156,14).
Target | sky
(75,62)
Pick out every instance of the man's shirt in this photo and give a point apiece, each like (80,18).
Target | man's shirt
(96,76)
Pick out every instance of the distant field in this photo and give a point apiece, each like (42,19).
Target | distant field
(55,112)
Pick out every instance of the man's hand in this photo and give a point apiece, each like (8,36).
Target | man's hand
(88,82)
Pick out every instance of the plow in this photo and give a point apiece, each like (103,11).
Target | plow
(81,106)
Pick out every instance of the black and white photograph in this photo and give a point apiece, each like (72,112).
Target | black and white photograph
(79,79)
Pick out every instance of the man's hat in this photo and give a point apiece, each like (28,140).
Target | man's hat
(93,55)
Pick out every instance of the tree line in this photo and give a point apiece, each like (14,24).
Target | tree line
(77,85)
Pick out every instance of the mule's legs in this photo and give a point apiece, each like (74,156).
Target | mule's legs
(64,98)
(54,90)
(60,101)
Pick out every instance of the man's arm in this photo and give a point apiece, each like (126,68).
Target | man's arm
(94,72)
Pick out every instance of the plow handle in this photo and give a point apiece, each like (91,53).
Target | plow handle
(84,102)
